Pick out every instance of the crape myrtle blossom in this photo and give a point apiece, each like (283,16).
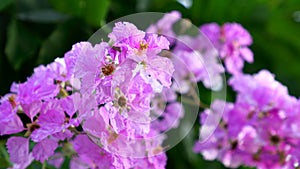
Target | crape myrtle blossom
(18,149)
(165,26)
(232,41)
(95,102)
(9,120)
(245,135)
(166,111)
(125,86)
(197,67)
(108,105)
(194,56)
(99,157)
(143,48)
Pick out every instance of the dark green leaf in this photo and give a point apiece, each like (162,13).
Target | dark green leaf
(61,40)
(42,16)
(95,11)
(21,44)
(72,7)
(4,3)
(4,157)
(92,11)
(31,5)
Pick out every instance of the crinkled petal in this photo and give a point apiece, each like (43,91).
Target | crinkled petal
(44,149)
(18,149)
(15,125)
(161,69)
(247,54)
(124,30)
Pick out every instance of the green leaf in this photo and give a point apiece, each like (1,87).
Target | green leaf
(72,7)
(21,44)
(95,11)
(4,157)
(42,16)
(4,3)
(53,46)
(92,11)
(61,40)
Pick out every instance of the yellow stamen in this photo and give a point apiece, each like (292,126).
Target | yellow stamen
(143,46)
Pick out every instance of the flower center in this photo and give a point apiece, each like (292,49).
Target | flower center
(122,101)
(108,69)
(12,101)
(234,145)
(275,139)
(31,127)
(113,136)
(222,34)
(143,46)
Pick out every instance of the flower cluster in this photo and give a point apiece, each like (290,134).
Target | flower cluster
(232,41)
(106,105)
(261,128)
(109,105)
(104,92)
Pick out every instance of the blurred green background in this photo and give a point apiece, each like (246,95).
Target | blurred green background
(34,32)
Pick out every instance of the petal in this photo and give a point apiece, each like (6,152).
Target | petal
(18,149)
(247,54)
(234,64)
(15,125)
(161,69)
(124,30)
(50,122)
(44,149)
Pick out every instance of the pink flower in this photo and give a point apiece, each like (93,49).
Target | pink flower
(259,129)
(164,26)
(232,42)
(18,149)
(89,154)
(9,120)
(44,149)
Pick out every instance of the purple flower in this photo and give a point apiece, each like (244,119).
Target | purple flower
(196,61)
(124,30)
(32,109)
(95,69)
(18,149)
(44,149)
(52,120)
(9,120)
(245,136)
(195,67)
(90,154)
(71,57)
(83,104)
(58,70)
(144,49)
(232,42)
(155,162)
(260,90)
(40,86)
(170,118)
(165,25)
(161,69)
(56,160)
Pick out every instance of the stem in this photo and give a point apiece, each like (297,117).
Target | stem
(197,100)
(73,129)
(192,102)
(189,101)
(44,166)
(4,152)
